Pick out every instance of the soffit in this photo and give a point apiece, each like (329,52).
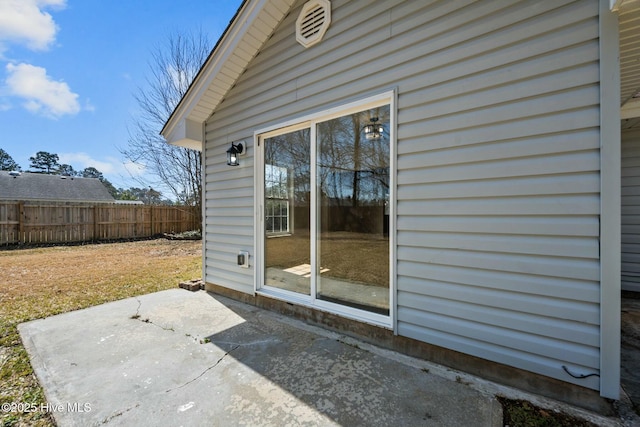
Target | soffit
(629,19)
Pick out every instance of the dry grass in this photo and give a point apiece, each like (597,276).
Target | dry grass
(41,282)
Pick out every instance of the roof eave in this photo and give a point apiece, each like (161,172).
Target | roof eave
(186,133)
(184,126)
(192,94)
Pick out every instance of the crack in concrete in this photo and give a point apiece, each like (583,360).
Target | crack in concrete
(157,325)
(246,344)
(203,372)
(355,345)
(138,309)
(147,320)
(119,414)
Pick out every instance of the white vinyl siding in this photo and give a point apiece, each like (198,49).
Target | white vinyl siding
(631,210)
(498,165)
(229,220)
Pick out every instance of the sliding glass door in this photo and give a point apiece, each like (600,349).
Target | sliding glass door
(325,201)
(352,199)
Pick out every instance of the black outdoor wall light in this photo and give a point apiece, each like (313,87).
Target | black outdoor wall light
(233,152)
(373,130)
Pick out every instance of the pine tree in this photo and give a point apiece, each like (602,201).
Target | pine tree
(7,163)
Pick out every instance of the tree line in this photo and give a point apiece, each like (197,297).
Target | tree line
(49,163)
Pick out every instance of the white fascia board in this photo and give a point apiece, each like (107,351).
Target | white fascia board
(630,109)
(610,204)
(186,133)
(225,48)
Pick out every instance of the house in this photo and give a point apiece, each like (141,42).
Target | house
(35,186)
(440,177)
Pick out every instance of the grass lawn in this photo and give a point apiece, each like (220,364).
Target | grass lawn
(41,282)
(357,257)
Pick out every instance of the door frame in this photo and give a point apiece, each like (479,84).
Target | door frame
(309,121)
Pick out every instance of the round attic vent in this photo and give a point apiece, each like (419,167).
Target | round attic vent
(313,22)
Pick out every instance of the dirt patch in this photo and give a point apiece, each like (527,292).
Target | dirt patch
(520,413)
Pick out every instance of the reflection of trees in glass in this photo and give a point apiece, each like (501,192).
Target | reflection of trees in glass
(292,152)
(276,182)
(352,170)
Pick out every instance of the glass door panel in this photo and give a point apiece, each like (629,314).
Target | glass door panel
(287,207)
(353,210)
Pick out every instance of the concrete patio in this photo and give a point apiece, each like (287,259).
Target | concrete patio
(189,359)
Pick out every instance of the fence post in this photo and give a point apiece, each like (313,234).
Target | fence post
(21,222)
(152,222)
(95,222)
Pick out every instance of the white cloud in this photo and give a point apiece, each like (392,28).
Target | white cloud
(88,106)
(134,169)
(108,165)
(120,173)
(25,22)
(41,94)
(82,160)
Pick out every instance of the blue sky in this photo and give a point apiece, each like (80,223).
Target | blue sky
(69,69)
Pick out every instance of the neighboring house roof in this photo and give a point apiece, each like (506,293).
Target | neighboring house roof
(35,186)
(256,20)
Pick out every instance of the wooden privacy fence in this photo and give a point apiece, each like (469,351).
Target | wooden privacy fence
(46,222)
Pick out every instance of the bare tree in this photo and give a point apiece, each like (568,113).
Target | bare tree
(172,68)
